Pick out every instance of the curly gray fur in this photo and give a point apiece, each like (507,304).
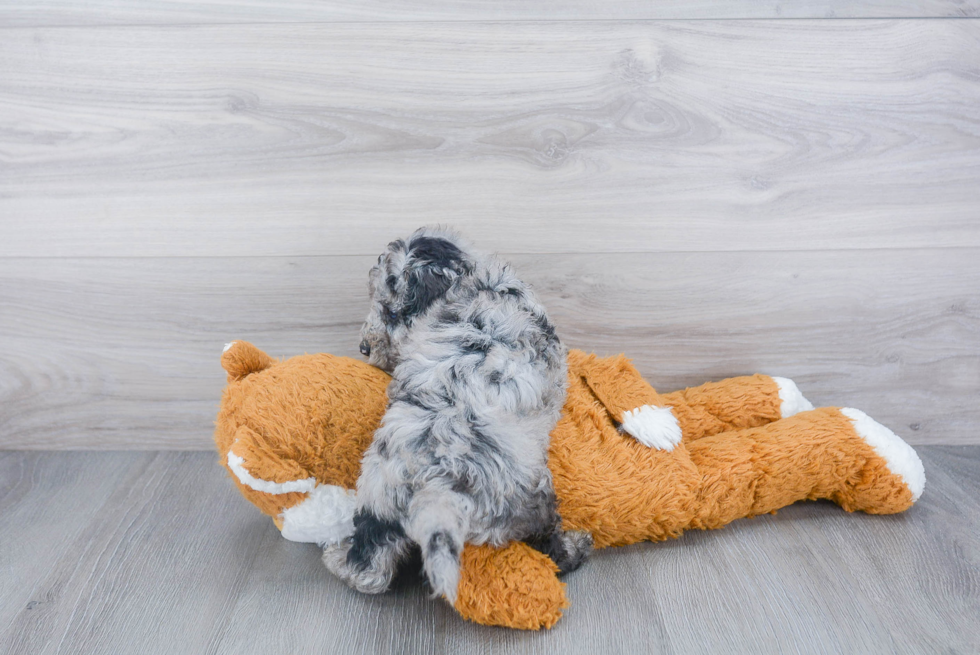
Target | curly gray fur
(478,383)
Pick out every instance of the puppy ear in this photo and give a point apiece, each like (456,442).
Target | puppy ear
(433,266)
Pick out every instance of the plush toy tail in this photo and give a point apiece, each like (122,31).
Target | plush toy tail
(240,358)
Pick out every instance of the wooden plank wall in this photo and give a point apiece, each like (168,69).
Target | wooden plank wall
(775,192)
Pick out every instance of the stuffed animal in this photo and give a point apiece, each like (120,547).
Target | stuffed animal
(629,464)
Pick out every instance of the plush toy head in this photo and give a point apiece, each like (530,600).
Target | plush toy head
(293,431)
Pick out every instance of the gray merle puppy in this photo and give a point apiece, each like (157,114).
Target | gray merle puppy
(478,382)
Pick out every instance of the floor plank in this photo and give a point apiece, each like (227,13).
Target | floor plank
(38,516)
(165,556)
(123,353)
(120,585)
(533,137)
(170,12)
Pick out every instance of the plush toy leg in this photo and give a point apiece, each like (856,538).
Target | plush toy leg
(514,587)
(841,455)
(733,404)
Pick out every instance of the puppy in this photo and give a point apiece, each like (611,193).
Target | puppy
(478,382)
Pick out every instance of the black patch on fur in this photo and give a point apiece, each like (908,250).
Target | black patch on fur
(410,400)
(448,316)
(421,439)
(370,532)
(462,486)
(433,265)
(472,344)
(441,540)
(482,442)
(389,316)
(391,281)
(432,251)
(545,325)
(409,569)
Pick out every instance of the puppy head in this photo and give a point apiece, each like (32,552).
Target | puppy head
(409,277)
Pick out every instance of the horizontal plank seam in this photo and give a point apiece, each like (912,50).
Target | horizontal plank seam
(508,253)
(486,21)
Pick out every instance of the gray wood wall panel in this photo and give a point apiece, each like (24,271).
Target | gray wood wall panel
(532,137)
(123,352)
(799,197)
(164,12)
(158,553)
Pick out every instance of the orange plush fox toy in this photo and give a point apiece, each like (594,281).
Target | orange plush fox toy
(629,464)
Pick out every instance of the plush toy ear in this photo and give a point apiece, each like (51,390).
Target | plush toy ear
(513,587)
(240,358)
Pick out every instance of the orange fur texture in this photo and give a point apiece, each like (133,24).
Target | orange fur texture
(313,416)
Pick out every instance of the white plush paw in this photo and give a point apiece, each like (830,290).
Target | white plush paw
(791,400)
(898,455)
(654,427)
(325,517)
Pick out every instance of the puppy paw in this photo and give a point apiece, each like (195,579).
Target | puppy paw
(567,549)
(654,427)
(577,546)
(367,581)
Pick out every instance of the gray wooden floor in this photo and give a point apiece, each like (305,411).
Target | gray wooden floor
(155,552)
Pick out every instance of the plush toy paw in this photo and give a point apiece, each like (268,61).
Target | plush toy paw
(654,427)
(900,458)
(324,517)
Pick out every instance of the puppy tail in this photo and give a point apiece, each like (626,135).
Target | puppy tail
(441,563)
(438,524)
